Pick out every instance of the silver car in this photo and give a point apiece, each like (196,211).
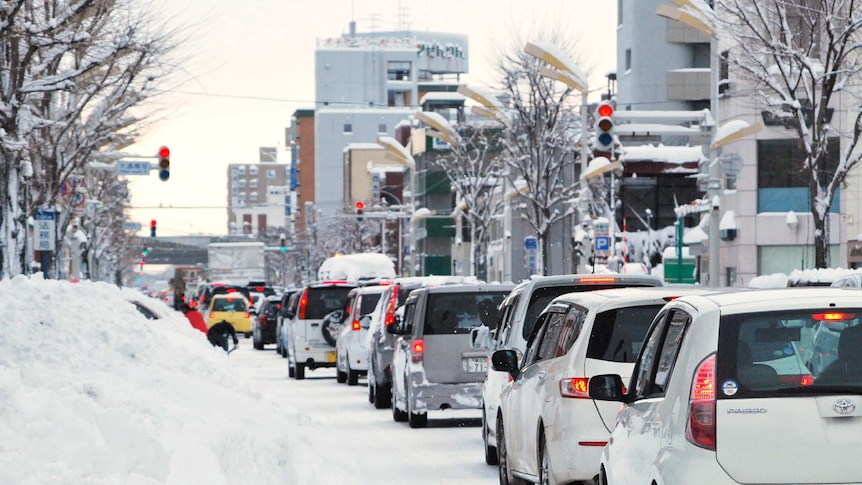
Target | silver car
(351,344)
(435,364)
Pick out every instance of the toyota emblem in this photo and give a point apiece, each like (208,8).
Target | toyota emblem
(844,407)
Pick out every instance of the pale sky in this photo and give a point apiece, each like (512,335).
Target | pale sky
(250,65)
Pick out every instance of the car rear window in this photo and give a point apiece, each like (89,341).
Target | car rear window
(229,305)
(456,313)
(790,352)
(542,296)
(324,300)
(368,303)
(618,335)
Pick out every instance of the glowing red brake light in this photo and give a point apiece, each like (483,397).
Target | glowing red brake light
(597,279)
(231,290)
(303,300)
(575,387)
(417,350)
(701,416)
(390,309)
(355,325)
(833,317)
(259,289)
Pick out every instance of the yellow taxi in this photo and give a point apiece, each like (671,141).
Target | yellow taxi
(232,308)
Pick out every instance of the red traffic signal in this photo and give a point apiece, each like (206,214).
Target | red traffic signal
(360,207)
(605,127)
(164,156)
(153,228)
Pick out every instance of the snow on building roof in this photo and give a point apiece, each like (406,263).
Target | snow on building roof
(447,97)
(363,146)
(662,153)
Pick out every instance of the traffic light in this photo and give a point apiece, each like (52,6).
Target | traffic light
(283,247)
(164,163)
(144,253)
(360,208)
(153,228)
(605,128)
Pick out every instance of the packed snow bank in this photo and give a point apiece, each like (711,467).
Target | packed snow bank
(93,392)
(356,267)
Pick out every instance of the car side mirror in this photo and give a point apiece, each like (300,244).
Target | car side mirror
(506,361)
(606,387)
(365,321)
(394,328)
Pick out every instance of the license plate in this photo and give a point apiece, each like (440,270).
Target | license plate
(330,356)
(476,364)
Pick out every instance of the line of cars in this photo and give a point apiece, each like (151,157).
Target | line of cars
(612,379)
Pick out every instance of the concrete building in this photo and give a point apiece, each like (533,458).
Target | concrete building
(258,196)
(366,83)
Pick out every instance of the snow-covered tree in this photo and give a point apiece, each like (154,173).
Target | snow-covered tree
(71,75)
(797,56)
(474,167)
(540,146)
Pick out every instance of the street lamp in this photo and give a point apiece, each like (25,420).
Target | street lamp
(397,152)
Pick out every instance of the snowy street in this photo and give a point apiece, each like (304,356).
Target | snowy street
(363,442)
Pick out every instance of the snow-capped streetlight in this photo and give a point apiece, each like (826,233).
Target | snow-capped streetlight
(397,152)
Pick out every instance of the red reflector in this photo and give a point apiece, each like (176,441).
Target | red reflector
(592,443)
(833,317)
(597,279)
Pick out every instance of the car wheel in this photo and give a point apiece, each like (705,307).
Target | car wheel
(352,377)
(416,420)
(370,391)
(291,372)
(545,466)
(299,371)
(603,477)
(382,396)
(340,377)
(398,415)
(248,335)
(503,458)
(490,451)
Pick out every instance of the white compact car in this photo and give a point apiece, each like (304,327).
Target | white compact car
(548,429)
(351,344)
(723,392)
(516,318)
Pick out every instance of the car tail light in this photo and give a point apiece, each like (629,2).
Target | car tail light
(303,300)
(247,315)
(417,350)
(833,316)
(355,325)
(575,387)
(701,415)
(796,379)
(231,290)
(390,309)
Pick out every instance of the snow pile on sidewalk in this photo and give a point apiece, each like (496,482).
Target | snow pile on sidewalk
(93,392)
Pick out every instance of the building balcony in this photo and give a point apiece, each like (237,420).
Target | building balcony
(690,84)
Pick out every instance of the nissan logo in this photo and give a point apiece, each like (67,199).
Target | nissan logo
(844,407)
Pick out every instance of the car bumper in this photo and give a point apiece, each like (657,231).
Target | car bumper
(313,356)
(432,397)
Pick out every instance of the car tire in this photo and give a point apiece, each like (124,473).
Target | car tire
(340,377)
(248,335)
(382,396)
(352,377)
(503,459)
(329,332)
(299,371)
(370,391)
(398,415)
(291,372)
(490,451)
(545,465)
(415,420)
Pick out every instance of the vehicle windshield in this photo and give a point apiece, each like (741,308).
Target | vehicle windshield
(790,352)
(322,301)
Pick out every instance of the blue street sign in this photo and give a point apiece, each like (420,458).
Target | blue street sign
(530,242)
(603,243)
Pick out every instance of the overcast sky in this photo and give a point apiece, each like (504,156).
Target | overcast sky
(250,65)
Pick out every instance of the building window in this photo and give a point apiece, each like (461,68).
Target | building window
(348,128)
(779,163)
(240,169)
(723,72)
(252,184)
(398,70)
(628,59)
(252,170)
(241,196)
(240,183)
(270,174)
(619,12)
(381,128)
(252,196)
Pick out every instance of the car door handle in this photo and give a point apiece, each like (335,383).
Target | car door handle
(541,375)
